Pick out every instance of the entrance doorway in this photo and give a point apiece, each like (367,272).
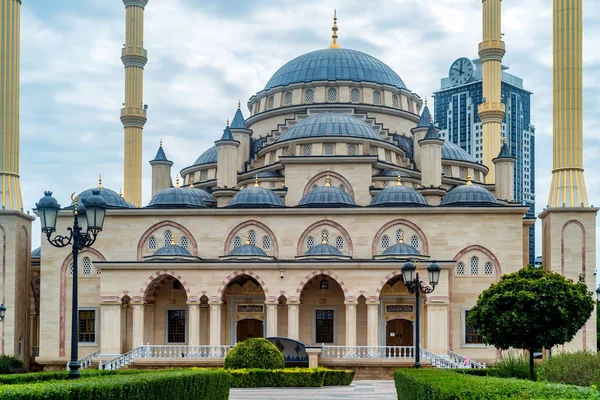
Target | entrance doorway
(399,332)
(249,328)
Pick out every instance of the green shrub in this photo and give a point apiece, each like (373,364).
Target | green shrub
(475,371)
(580,368)
(33,377)
(436,384)
(335,377)
(8,362)
(254,353)
(289,377)
(512,365)
(153,385)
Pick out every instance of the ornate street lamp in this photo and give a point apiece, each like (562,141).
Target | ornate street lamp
(410,274)
(83,234)
(2,312)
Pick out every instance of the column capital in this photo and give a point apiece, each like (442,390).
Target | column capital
(137,303)
(293,303)
(373,303)
(271,303)
(216,303)
(193,303)
(351,303)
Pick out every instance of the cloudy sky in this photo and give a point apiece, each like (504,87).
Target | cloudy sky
(205,55)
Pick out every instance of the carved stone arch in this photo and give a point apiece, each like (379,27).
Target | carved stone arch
(332,174)
(234,275)
(204,293)
(385,280)
(562,245)
(328,273)
(412,225)
(333,224)
(251,222)
(144,289)
(155,227)
(283,293)
(363,293)
(485,251)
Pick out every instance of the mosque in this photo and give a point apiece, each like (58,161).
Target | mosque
(297,222)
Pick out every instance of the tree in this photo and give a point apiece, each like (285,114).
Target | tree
(531,309)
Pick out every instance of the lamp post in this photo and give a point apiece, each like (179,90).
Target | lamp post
(410,274)
(83,234)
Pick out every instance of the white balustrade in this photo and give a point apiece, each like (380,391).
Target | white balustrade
(393,352)
(464,361)
(86,361)
(438,361)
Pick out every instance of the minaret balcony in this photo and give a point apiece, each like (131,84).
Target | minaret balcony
(134,56)
(492,50)
(491,111)
(133,117)
(133,112)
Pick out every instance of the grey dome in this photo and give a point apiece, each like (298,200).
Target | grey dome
(398,196)
(327,196)
(247,250)
(450,151)
(172,250)
(112,199)
(208,157)
(469,195)
(401,250)
(178,198)
(255,197)
(323,250)
(36,253)
(330,124)
(206,196)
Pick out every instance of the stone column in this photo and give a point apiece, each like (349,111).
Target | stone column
(294,319)
(313,357)
(215,322)
(351,323)
(436,317)
(110,342)
(194,311)
(372,323)
(138,324)
(271,318)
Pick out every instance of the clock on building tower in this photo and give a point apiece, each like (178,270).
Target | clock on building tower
(461,71)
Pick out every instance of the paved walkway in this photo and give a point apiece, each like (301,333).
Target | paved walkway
(359,390)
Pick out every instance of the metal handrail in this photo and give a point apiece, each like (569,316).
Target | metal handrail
(467,362)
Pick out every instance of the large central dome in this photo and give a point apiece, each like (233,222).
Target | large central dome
(335,65)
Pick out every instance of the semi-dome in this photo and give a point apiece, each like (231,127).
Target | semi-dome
(335,65)
(469,195)
(112,199)
(36,253)
(398,196)
(330,124)
(208,157)
(178,197)
(451,151)
(327,196)
(255,197)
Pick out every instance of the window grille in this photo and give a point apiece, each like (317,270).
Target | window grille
(414,241)
(152,243)
(376,97)
(372,150)
(385,241)
(339,243)
(71,269)
(331,94)
(271,102)
(324,326)
(285,151)
(168,237)
(237,242)
(329,149)
(87,326)
(184,242)
(385,184)
(271,157)
(266,243)
(98,271)
(87,266)
(352,149)
(252,237)
(314,187)
(460,268)
(288,99)
(474,266)
(204,175)
(309,96)
(355,95)
(489,268)
(471,335)
(399,233)
(395,101)
(463,173)
(342,188)
(325,235)
(307,150)
(446,170)
(175,326)
(310,242)
(273,185)
(388,156)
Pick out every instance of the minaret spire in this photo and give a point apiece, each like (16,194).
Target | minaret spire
(491,112)
(133,115)
(10,63)
(334,28)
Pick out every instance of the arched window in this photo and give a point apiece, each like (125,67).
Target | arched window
(325,236)
(460,268)
(385,184)
(395,101)
(399,233)
(204,175)
(342,187)
(307,150)
(285,152)
(237,242)
(271,102)
(87,266)
(309,96)
(372,150)
(474,266)
(489,268)
(463,173)
(273,185)
(288,99)
(272,157)
(414,241)
(256,107)
(355,95)
(329,149)
(331,94)
(352,149)
(339,243)
(377,97)
(446,170)
(310,242)
(385,242)
(184,242)
(266,243)
(168,236)
(252,237)
(152,243)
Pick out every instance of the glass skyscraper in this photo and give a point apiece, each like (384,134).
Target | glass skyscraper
(456,115)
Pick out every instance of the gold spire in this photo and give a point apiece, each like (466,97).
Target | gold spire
(247,237)
(431,119)
(99,181)
(334,28)
(172,240)
(192,184)
(227,121)
(401,238)
(177,181)
(328,181)
(121,192)
(160,142)
(399,183)
(239,104)
(324,239)
(469,180)
(256,181)
(504,141)
(425,101)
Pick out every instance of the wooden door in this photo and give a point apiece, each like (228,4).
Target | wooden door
(249,328)
(399,332)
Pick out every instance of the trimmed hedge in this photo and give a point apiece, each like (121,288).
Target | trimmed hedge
(8,362)
(289,377)
(435,384)
(476,371)
(334,377)
(580,368)
(154,385)
(33,377)
(254,353)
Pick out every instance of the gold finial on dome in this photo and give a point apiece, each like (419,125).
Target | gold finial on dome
(334,28)
(401,238)
(177,181)
(160,142)
(192,183)
(469,180)
(99,181)
(172,240)
(399,182)
(239,104)
(121,192)
(425,101)
(504,140)
(328,181)
(256,181)
(227,122)
(431,119)
(324,238)
(247,237)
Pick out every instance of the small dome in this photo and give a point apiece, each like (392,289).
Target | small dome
(401,250)
(335,65)
(469,195)
(327,196)
(206,196)
(330,124)
(172,250)
(178,198)
(112,199)
(255,197)
(37,253)
(247,250)
(450,151)
(323,250)
(398,196)
(208,157)
(392,173)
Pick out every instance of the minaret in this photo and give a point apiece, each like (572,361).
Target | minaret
(133,115)
(227,159)
(491,112)
(419,132)
(161,171)
(242,134)
(10,67)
